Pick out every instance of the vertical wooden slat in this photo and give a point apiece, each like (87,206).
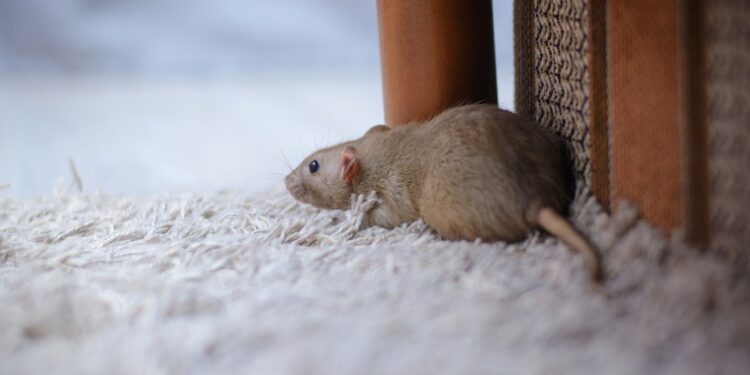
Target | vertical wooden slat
(644,104)
(598,134)
(435,54)
(694,132)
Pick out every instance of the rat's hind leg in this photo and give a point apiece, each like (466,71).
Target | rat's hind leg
(458,216)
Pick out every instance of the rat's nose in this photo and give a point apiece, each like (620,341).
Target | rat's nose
(294,185)
(289,181)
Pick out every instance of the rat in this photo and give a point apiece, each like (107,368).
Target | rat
(473,172)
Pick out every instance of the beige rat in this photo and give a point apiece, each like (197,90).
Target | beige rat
(472,172)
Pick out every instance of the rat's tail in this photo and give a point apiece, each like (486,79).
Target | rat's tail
(554,223)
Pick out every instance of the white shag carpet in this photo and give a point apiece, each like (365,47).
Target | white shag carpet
(232,283)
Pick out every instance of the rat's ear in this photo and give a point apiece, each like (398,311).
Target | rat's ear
(377,129)
(349,166)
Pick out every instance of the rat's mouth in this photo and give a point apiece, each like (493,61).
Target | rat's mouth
(295,187)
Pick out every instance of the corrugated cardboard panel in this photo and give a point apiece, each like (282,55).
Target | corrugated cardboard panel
(728,118)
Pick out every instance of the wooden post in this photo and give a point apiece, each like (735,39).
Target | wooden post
(695,176)
(598,131)
(644,107)
(435,54)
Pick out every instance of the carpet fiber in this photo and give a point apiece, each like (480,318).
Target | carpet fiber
(234,283)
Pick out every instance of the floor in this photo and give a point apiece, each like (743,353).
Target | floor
(236,282)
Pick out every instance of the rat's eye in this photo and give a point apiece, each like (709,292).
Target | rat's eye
(314,166)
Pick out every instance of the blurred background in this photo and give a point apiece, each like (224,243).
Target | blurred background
(151,96)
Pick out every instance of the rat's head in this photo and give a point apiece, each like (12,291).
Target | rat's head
(324,179)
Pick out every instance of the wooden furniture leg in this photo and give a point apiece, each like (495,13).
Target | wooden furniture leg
(435,54)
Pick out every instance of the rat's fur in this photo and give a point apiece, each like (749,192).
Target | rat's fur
(472,172)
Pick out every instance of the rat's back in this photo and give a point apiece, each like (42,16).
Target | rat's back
(486,169)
